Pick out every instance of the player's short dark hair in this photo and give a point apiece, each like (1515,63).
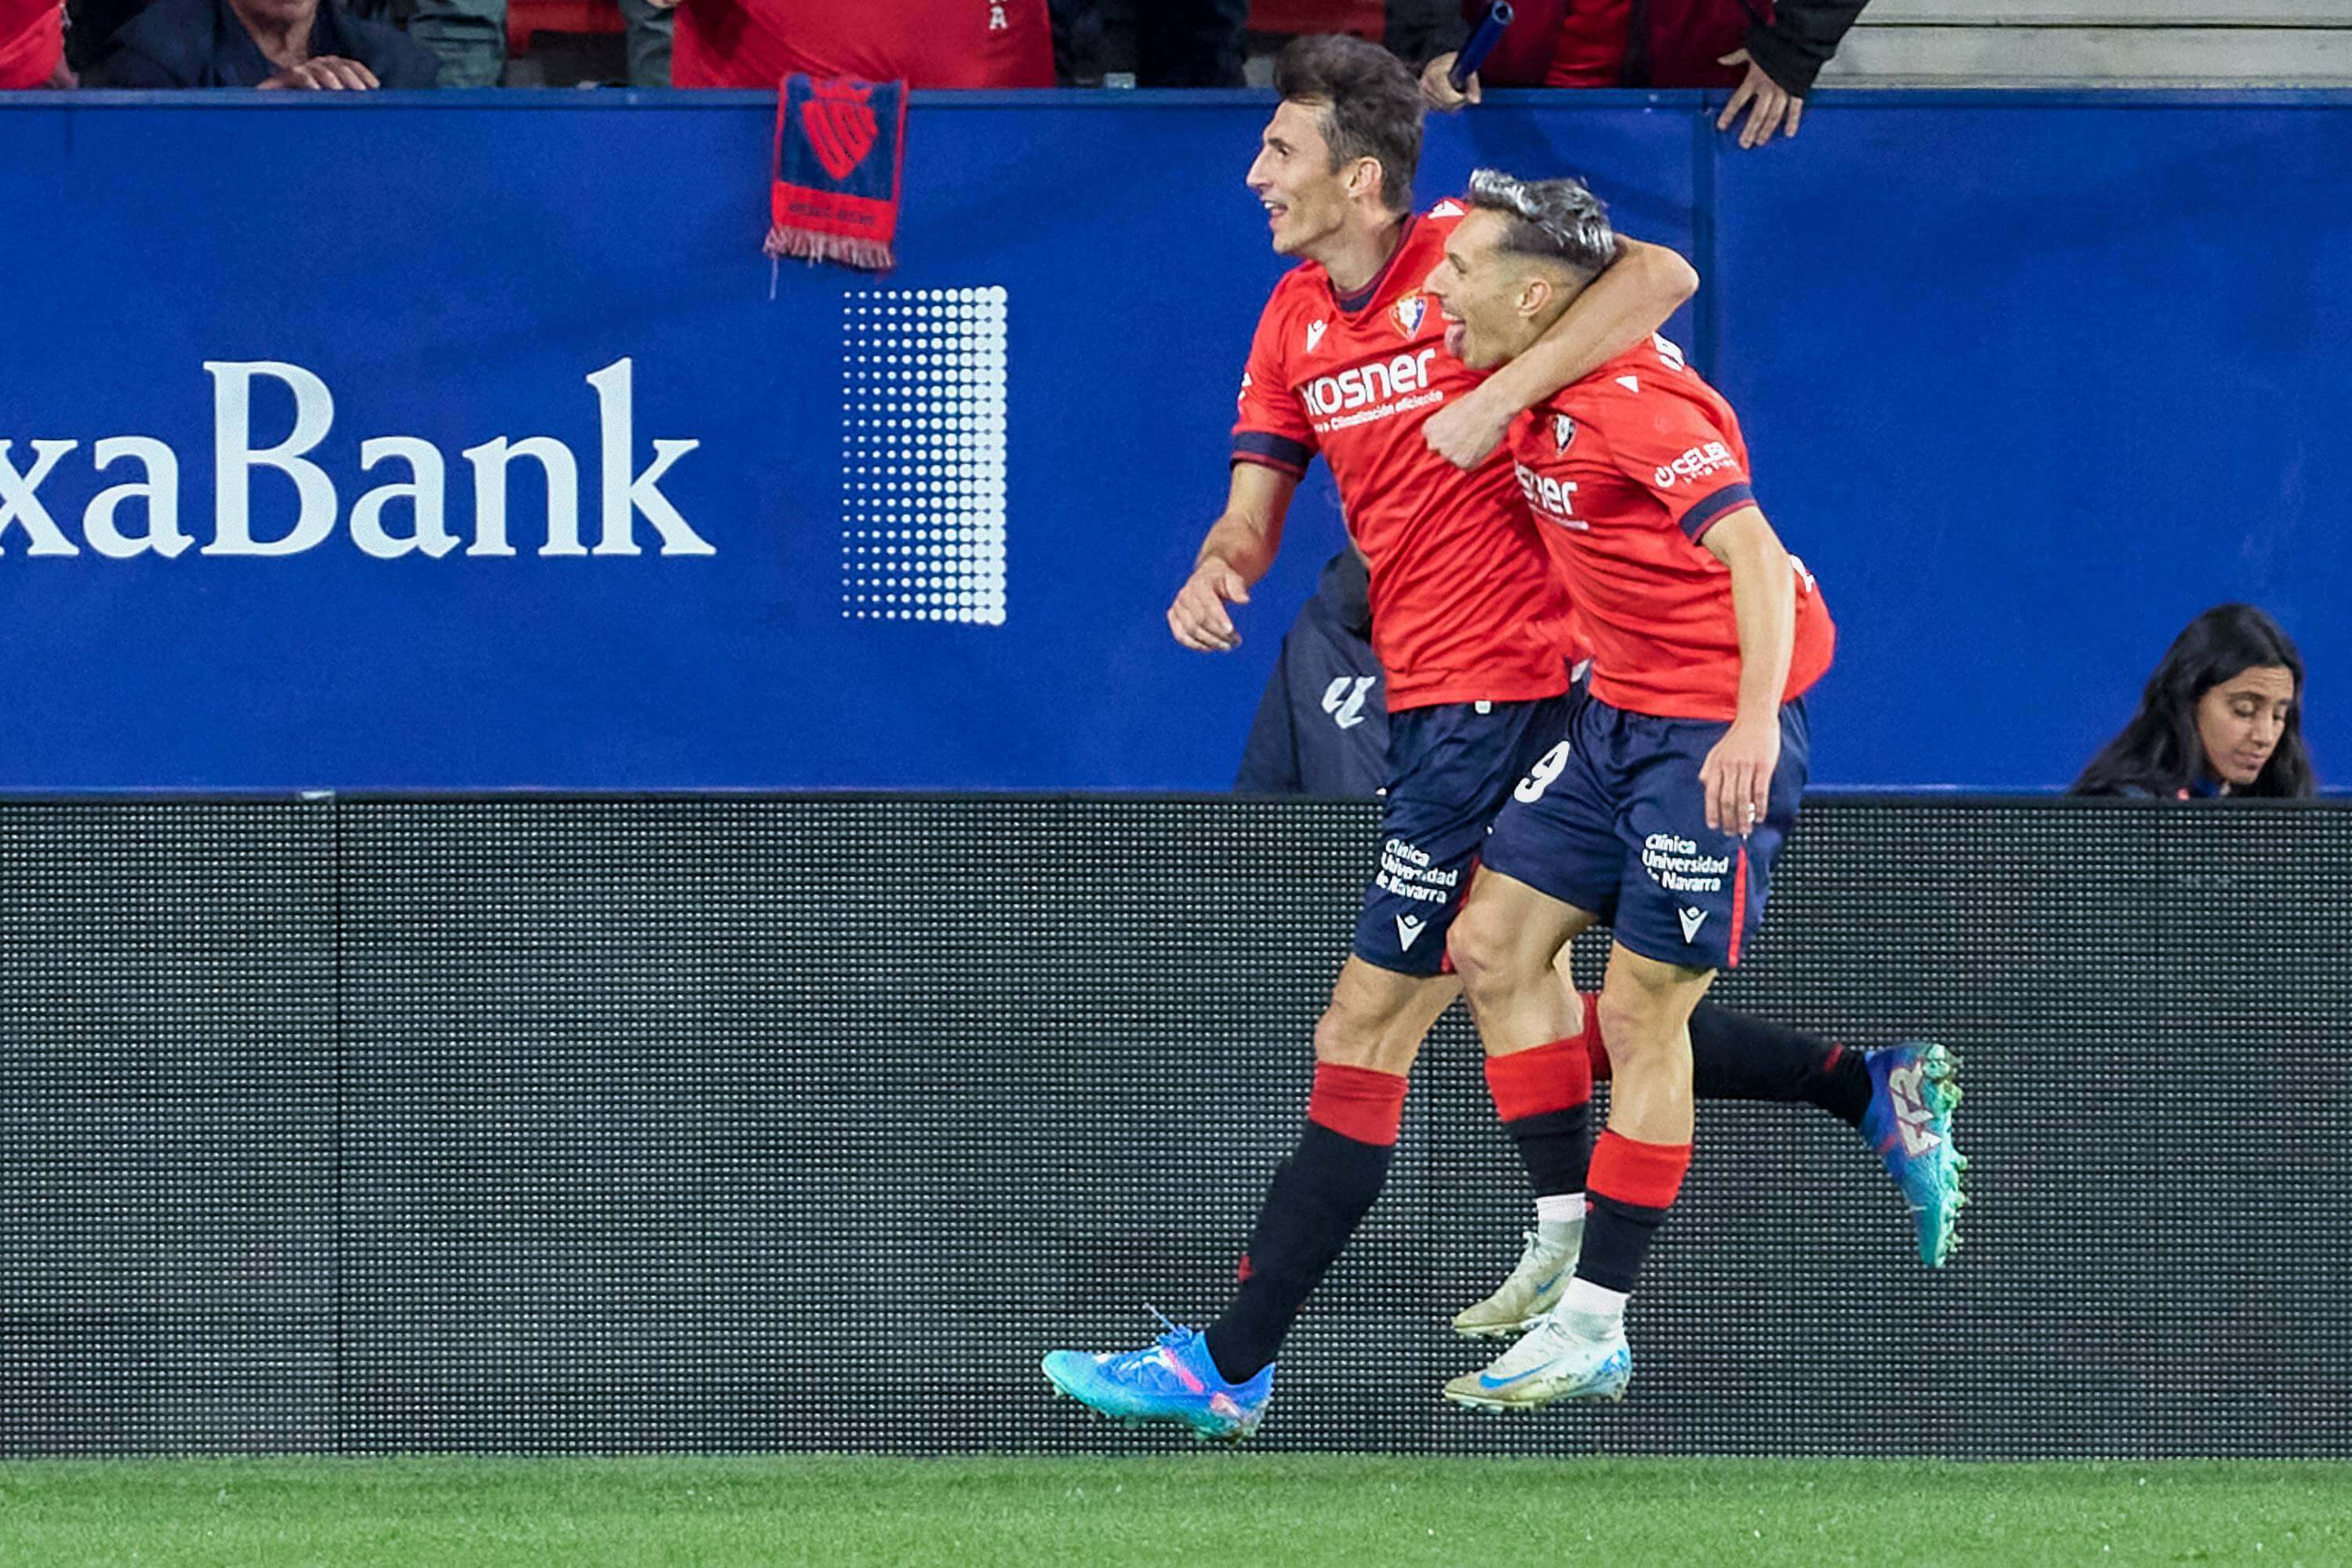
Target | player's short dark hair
(1560,220)
(1372,106)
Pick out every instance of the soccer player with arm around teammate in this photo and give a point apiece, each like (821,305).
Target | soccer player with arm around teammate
(1321,381)
(1662,810)
(1346,363)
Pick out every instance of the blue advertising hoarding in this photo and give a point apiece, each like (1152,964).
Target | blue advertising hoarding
(468,442)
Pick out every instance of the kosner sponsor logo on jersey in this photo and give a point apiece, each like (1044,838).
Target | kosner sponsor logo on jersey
(1555,499)
(407,514)
(1362,385)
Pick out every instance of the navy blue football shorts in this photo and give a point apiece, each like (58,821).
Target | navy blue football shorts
(1451,768)
(1613,820)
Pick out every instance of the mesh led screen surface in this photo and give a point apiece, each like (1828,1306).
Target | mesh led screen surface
(542,1124)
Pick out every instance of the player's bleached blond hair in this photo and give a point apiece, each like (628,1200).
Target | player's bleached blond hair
(1560,220)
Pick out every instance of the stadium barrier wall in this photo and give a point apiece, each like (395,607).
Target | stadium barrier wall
(371,1125)
(2030,378)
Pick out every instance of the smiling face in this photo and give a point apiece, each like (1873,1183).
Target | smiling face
(2238,722)
(1307,198)
(1493,299)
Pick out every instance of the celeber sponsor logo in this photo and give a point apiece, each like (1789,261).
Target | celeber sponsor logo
(406,515)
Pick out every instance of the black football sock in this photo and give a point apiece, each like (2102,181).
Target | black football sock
(1736,1056)
(1632,1185)
(1317,1199)
(1544,1097)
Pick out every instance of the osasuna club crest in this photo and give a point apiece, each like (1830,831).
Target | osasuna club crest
(1408,313)
(1563,431)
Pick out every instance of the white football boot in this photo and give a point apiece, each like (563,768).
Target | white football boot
(1534,1287)
(1557,1360)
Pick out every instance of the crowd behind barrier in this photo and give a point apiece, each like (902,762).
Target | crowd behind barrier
(1769,56)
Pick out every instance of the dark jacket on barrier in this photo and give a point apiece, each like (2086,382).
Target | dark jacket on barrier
(201,43)
(1322,727)
(1659,42)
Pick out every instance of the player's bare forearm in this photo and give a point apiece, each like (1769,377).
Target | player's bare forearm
(1246,545)
(1248,535)
(1764,601)
(1240,547)
(1645,284)
(1736,776)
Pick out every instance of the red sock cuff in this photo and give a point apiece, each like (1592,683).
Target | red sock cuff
(1557,1077)
(1595,1052)
(1643,1175)
(1357,1102)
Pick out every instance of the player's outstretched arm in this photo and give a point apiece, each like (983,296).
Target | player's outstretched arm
(1645,284)
(1240,547)
(1737,774)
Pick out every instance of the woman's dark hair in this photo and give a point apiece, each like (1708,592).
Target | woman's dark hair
(1371,105)
(2159,753)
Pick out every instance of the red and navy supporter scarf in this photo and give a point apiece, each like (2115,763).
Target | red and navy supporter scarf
(839,148)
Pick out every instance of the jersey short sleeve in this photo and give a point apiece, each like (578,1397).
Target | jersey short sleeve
(1671,444)
(1272,428)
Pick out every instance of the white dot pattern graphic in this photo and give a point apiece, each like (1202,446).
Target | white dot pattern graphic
(922,455)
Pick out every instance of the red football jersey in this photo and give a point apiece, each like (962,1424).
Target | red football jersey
(929,43)
(1626,471)
(1465,607)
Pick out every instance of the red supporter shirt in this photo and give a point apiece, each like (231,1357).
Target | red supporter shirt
(32,38)
(1626,471)
(1590,43)
(928,43)
(1465,607)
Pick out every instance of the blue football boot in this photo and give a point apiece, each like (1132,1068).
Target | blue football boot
(1909,1126)
(1174,1379)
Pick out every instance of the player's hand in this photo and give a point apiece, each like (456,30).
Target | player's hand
(1736,777)
(326,73)
(1466,430)
(1774,104)
(1437,86)
(1198,617)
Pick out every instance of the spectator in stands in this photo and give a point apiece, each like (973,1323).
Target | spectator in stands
(1149,42)
(1768,51)
(1322,726)
(471,37)
(926,43)
(298,44)
(467,36)
(2221,715)
(32,44)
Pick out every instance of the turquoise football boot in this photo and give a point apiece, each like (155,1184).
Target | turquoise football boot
(1908,1126)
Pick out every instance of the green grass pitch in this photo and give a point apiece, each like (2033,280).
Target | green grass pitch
(1211,1508)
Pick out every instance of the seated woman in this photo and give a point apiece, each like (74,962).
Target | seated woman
(2221,715)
